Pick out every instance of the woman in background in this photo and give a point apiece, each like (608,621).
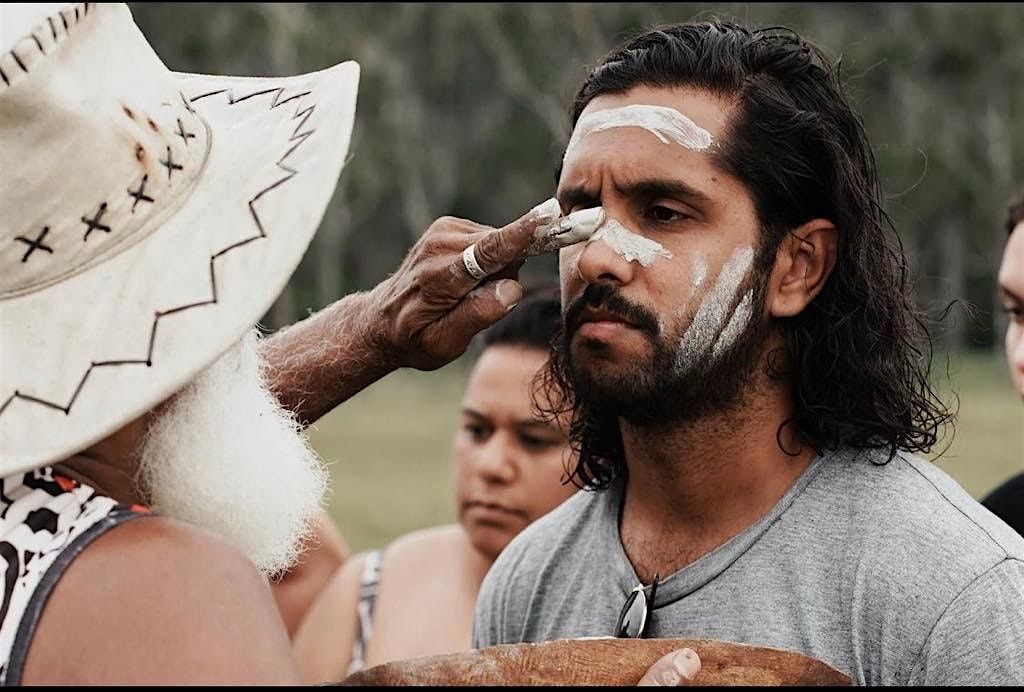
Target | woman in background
(416,597)
(1007,501)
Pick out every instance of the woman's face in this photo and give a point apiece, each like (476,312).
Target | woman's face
(508,464)
(1011,292)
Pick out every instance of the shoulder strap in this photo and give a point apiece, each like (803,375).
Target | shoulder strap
(364,609)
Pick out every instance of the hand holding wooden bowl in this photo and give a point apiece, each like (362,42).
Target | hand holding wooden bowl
(602,661)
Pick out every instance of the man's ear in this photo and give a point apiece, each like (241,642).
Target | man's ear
(803,263)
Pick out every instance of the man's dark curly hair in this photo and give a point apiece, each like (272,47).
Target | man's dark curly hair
(858,357)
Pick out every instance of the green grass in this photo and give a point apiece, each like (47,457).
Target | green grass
(388,449)
(988,445)
(389,446)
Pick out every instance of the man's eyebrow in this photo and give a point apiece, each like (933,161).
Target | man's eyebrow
(578,196)
(660,187)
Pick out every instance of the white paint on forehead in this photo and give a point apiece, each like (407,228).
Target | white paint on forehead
(631,246)
(707,323)
(664,123)
(737,323)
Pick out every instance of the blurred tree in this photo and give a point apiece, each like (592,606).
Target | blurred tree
(463,110)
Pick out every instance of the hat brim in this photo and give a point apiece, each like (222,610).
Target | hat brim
(105,346)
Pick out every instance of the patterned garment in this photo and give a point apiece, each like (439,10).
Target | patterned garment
(364,609)
(46,520)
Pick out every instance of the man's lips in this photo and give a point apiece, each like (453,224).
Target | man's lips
(602,315)
(600,322)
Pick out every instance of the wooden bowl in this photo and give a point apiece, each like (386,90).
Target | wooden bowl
(601,661)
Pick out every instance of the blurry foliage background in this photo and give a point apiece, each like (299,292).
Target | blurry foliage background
(463,110)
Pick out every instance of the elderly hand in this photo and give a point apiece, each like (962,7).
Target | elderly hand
(674,669)
(427,312)
(422,316)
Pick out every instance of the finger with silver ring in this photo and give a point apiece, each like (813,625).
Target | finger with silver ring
(471,264)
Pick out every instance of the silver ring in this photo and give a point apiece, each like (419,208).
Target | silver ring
(472,266)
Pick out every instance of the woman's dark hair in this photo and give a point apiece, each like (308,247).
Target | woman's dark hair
(533,323)
(858,357)
(1014,213)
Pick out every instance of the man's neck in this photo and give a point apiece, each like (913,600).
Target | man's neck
(110,466)
(693,486)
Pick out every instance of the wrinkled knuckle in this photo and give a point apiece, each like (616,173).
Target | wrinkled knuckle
(444,223)
(489,251)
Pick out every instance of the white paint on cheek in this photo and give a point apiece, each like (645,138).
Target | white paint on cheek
(739,320)
(664,123)
(700,271)
(707,323)
(631,246)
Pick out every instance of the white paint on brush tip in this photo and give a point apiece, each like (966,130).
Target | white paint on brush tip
(631,246)
(667,124)
(549,210)
(574,228)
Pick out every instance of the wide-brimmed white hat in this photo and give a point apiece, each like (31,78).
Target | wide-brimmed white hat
(148,218)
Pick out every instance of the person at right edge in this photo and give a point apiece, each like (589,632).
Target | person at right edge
(1007,500)
(747,374)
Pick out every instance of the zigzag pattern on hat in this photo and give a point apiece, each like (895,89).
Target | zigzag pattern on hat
(296,140)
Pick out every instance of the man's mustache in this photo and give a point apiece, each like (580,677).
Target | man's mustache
(608,297)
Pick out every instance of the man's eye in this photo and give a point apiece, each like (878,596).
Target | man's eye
(665,214)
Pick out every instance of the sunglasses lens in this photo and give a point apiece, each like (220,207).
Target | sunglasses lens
(631,621)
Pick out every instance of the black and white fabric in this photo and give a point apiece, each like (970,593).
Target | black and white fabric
(46,520)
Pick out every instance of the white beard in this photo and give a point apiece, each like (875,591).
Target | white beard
(224,455)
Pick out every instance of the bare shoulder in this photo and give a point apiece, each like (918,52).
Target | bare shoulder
(157,601)
(429,543)
(323,640)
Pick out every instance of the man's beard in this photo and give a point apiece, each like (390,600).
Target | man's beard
(672,386)
(223,455)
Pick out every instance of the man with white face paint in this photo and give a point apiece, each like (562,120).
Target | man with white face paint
(743,362)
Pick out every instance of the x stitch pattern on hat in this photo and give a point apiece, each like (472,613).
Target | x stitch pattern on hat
(48,238)
(296,140)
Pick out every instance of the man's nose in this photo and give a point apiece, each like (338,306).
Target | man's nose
(598,261)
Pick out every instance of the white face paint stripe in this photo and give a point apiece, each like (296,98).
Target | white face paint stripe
(631,246)
(739,320)
(700,271)
(663,122)
(707,323)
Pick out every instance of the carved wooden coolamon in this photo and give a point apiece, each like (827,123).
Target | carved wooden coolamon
(601,661)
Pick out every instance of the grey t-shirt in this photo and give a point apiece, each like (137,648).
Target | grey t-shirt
(891,572)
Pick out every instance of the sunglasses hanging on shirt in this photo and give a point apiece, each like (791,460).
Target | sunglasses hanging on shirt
(636,611)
